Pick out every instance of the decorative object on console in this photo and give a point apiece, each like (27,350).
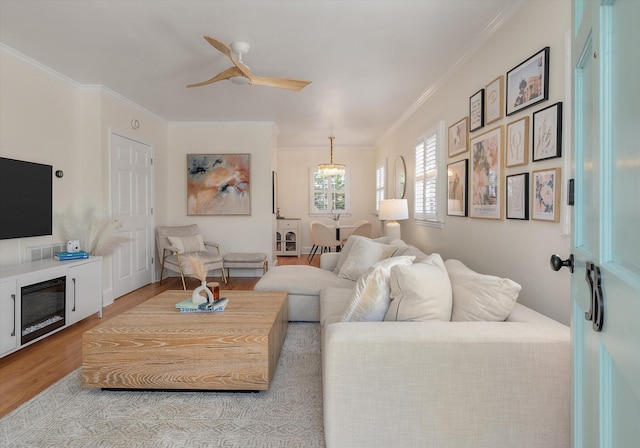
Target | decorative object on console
(392,211)
(331,169)
(218,184)
(98,236)
(528,82)
(73,246)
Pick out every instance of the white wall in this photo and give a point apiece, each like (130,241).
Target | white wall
(246,233)
(294,168)
(516,249)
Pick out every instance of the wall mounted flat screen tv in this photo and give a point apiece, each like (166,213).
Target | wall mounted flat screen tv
(26,199)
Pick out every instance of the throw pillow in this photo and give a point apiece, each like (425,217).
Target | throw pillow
(363,254)
(420,292)
(186,244)
(370,298)
(479,297)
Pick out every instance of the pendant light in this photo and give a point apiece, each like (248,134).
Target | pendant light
(331,169)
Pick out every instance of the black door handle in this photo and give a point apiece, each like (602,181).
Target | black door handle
(558,263)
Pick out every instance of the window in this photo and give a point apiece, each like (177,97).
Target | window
(329,194)
(429,165)
(380,182)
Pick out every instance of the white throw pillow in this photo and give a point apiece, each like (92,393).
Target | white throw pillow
(186,244)
(363,254)
(420,292)
(344,252)
(370,298)
(479,297)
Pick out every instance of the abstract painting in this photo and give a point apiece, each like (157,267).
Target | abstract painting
(486,175)
(218,184)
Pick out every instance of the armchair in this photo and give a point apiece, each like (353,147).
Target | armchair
(176,242)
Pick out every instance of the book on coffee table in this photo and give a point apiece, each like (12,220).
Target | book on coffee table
(187,306)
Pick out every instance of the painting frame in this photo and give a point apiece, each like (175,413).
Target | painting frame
(476,111)
(457,188)
(517,142)
(517,197)
(218,184)
(486,175)
(493,100)
(534,73)
(545,194)
(547,132)
(458,142)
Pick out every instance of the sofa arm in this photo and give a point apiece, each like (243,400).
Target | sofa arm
(329,260)
(446,384)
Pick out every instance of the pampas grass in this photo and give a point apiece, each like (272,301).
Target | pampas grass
(98,236)
(197,266)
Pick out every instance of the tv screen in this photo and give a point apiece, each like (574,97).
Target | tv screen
(26,199)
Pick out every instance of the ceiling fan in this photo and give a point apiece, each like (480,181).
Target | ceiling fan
(240,73)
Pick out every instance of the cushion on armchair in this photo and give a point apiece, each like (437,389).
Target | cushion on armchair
(480,297)
(186,244)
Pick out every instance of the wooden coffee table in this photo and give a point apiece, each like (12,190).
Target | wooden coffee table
(155,346)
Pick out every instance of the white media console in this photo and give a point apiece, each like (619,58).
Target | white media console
(57,294)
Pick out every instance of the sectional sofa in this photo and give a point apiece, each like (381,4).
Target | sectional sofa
(421,352)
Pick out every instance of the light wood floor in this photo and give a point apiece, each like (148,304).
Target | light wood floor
(29,371)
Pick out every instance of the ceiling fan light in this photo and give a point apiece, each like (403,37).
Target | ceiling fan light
(240,80)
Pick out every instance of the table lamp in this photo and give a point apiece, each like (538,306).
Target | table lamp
(393,210)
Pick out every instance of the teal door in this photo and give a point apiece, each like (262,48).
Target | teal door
(605,286)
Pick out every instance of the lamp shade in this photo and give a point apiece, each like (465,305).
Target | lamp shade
(393,209)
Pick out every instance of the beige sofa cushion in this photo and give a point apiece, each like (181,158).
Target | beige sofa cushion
(420,292)
(186,244)
(362,254)
(480,297)
(370,298)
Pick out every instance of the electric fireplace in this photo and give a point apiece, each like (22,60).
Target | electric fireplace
(43,308)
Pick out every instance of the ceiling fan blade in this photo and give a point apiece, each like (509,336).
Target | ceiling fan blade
(225,74)
(282,83)
(226,50)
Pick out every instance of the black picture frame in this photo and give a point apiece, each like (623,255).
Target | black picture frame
(528,82)
(476,110)
(517,197)
(547,133)
(457,188)
(274,192)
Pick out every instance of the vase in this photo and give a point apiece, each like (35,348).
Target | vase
(197,296)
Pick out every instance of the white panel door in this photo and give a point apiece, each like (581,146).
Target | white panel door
(605,287)
(131,205)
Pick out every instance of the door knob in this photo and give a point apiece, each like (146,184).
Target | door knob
(558,263)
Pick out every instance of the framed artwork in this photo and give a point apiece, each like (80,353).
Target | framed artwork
(457,188)
(476,110)
(528,82)
(485,181)
(493,102)
(547,132)
(459,137)
(218,184)
(518,196)
(517,148)
(545,195)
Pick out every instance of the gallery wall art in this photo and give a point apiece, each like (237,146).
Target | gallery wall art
(218,184)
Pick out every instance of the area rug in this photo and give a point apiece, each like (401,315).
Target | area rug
(288,415)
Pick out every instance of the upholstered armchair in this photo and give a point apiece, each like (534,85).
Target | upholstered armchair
(177,242)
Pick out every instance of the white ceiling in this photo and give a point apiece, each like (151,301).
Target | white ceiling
(370,61)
